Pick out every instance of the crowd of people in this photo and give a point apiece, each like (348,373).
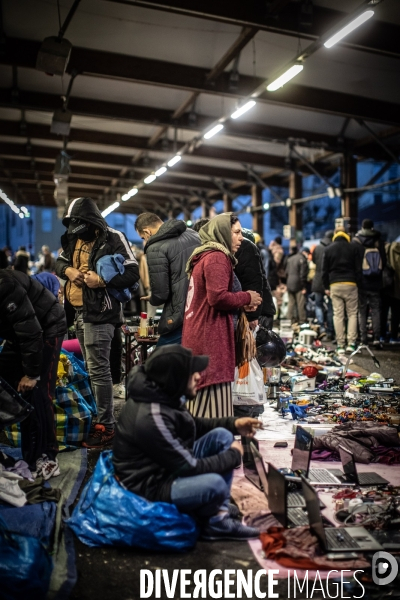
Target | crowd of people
(180,400)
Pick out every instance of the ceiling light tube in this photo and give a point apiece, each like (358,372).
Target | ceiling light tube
(285,77)
(160,171)
(213,131)
(348,28)
(243,109)
(174,160)
(150,178)
(109,210)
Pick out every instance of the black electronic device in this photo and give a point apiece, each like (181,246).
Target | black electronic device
(335,539)
(280,445)
(249,466)
(301,461)
(278,501)
(351,473)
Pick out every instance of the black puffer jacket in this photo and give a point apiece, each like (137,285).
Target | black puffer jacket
(251,274)
(368,238)
(167,253)
(29,312)
(98,305)
(341,264)
(318,259)
(154,440)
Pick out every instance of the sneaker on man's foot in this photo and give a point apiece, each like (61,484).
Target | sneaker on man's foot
(100,437)
(377,344)
(351,348)
(229,529)
(340,350)
(119,391)
(233,511)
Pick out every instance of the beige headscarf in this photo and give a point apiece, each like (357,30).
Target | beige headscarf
(215,235)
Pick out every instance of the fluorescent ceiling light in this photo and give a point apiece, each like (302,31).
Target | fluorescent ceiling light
(287,76)
(174,160)
(129,194)
(109,210)
(150,178)
(266,206)
(21,215)
(213,131)
(189,223)
(24,209)
(348,28)
(160,171)
(240,111)
(331,192)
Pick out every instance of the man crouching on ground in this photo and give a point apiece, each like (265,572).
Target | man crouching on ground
(162,453)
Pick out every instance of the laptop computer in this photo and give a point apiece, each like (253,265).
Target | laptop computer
(249,466)
(301,461)
(278,501)
(351,474)
(335,539)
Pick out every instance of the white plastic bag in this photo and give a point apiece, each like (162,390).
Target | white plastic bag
(248,386)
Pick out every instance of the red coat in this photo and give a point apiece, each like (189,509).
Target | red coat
(208,321)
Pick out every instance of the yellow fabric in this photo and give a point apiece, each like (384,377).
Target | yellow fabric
(343,283)
(341,234)
(80,261)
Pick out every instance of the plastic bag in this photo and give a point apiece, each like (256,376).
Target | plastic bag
(108,514)
(73,417)
(248,387)
(25,566)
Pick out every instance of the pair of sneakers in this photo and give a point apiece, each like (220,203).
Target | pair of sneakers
(46,468)
(229,527)
(349,348)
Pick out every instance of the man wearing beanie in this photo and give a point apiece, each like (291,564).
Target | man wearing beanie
(97,310)
(163,454)
(341,275)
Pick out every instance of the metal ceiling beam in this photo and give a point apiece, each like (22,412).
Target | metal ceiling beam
(378,140)
(179,76)
(88,107)
(377,37)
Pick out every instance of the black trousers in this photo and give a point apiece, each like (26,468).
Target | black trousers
(394,304)
(38,432)
(116,356)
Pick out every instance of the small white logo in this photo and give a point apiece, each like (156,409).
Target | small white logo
(384,568)
(11,307)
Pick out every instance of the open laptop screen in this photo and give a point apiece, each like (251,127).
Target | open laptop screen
(277,500)
(260,466)
(348,465)
(314,512)
(249,466)
(302,451)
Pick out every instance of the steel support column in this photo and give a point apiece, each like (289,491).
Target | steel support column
(227,203)
(296,210)
(258,213)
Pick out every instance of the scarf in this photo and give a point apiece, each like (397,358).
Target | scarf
(215,235)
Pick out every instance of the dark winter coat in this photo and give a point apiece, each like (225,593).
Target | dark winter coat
(318,259)
(368,238)
(98,305)
(341,263)
(21,262)
(296,273)
(167,253)
(28,314)
(154,440)
(251,274)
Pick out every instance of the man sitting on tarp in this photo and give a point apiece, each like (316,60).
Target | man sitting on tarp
(162,453)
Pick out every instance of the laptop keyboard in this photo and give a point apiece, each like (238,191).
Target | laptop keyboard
(295,499)
(321,476)
(369,478)
(343,541)
(297,516)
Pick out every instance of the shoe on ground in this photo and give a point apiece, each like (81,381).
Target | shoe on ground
(49,468)
(351,348)
(377,344)
(101,436)
(119,391)
(394,341)
(340,350)
(229,529)
(233,511)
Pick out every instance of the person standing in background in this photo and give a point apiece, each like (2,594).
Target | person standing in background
(296,282)
(318,287)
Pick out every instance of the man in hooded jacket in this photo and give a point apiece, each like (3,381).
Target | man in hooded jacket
(163,454)
(167,248)
(318,287)
(88,239)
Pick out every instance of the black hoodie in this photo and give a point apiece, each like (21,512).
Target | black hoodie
(368,238)
(98,305)
(155,434)
(318,259)
(167,253)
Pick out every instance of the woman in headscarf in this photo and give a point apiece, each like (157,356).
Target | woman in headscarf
(208,321)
